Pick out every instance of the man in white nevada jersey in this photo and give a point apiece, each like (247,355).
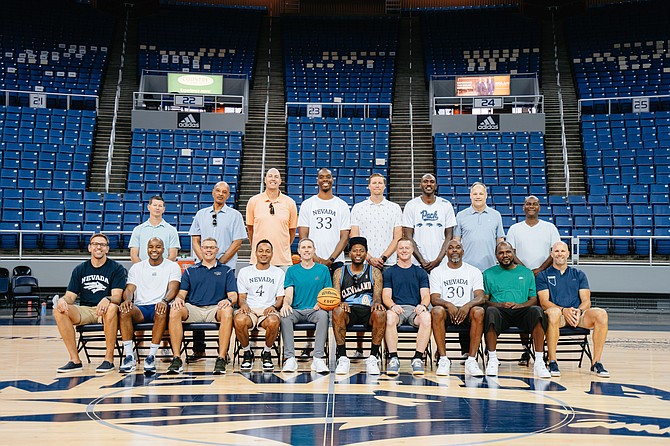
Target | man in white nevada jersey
(429,221)
(260,290)
(325,219)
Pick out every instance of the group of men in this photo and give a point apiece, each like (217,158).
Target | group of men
(425,266)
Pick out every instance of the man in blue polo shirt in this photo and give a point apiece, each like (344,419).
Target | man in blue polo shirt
(564,294)
(211,290)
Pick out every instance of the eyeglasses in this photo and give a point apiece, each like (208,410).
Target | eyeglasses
(214,221)
(272,209)
(99,245)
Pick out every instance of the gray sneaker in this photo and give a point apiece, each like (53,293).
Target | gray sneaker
(150,363)
(129,365)
(393,368)
(417,367)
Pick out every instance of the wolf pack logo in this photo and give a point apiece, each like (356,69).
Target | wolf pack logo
(487,123)
(188,120)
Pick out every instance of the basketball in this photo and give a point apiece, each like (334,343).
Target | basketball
(328,298)
(295,258)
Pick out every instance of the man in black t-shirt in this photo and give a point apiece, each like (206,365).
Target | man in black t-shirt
(99,283)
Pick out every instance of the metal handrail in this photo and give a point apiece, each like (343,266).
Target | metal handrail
(610,99)
(340,105)
(68,97)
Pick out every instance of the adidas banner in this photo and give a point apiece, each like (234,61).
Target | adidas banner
(488,123)
(188,120)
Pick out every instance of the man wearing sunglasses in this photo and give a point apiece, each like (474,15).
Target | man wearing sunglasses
(272,216)
(226,226)
(99,284)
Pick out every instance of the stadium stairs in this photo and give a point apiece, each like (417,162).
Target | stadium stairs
(123,138)
(552,138)
(252,176)
(409,66)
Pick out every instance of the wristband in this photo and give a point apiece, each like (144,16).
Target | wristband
(165,300)
(332,259)
(384,258)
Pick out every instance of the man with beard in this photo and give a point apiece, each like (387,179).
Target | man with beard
(457,295)
(512,302)
(428,221)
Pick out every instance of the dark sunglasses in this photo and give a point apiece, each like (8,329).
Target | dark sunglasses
(214,221)
(272,209)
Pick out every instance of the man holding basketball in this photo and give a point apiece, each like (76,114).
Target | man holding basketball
(302,284)
(360,286)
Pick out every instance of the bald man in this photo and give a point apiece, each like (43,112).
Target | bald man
(566,299)
(272,216)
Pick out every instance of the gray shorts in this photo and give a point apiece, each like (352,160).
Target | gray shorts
(408,316)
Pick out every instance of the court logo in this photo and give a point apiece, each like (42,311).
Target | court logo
(488,123)
(188,120)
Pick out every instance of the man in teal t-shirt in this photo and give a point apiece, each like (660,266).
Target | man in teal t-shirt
(302,284)
(512,302)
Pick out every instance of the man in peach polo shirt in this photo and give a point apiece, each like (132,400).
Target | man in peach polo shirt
(273,216)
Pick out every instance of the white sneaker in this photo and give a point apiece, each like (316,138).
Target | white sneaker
(290,366)
(541,370)
(492,367)
(372,366)
(443,366)
(472,368)
(319,365)
(342,366)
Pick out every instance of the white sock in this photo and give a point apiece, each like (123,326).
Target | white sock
(471,359)
(128,348)
(153,349)
(266,349)
(247,348)
(492,355)
(539,357)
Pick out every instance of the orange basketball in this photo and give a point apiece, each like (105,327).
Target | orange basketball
(328,298)
(295,258)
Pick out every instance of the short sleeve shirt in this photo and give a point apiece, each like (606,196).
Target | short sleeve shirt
(563,288)
(274,227)
(229,227)
(456,285)
(152,282)
(146,231)
(306,284)
(376,223)
(325,219)
(429,223)
(509,285)
(406,284)
(262,287)
(92,284)
(532,244)
(479,232)
(208,286)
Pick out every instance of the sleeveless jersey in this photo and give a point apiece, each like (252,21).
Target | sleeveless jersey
(357,289)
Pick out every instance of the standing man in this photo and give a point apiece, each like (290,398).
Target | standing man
(512,302)
(532,240)
(272,216)
(207,293)
(566,298)
(261,291)
(99,283)
(155,226)
(379,221)
(428,221)
(152,284)
(325,219)
(480,229)
(406,295)
(360,286)
(302,284)
(457,295)
(226,226)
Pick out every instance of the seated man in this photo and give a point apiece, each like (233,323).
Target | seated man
(302,284)
(211,290)
(261,292)
(99,283)
(406,295)
(360,286)
(566,298)
(512,301)
(153,282)
(457,295)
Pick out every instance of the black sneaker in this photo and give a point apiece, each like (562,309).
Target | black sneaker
(69,367)
(220,366)
(195,357)
(247,361)
(176,366)
(553,368)
(306,353)
(524,360)
(266,358)
(105,367)
(599,370)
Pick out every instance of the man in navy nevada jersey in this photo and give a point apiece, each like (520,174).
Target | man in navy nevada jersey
(564,294)
(99,283)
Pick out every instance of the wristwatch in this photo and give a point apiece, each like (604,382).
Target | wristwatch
(384,258)
(165,300)
(332,259)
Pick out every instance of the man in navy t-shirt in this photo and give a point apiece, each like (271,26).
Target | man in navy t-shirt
(565,296)
(207,293)
(99,283)
(406,295)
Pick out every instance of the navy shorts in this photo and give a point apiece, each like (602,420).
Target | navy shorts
(148,312)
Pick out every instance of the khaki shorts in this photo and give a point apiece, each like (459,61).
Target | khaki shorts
(563,322)
(88,315)
(256,316)
(201,314)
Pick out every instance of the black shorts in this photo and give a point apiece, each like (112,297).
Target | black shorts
(524,318)
(360,315)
